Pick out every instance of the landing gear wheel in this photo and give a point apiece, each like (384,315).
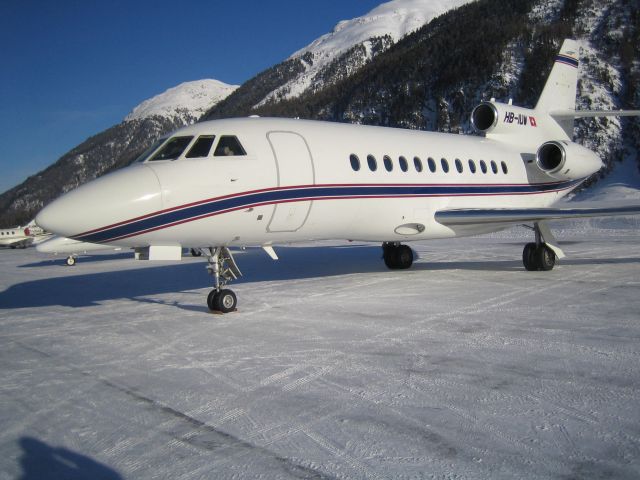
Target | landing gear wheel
(223,301)
(397,257)
(223,268)
(529,257)
(404,257)
(545,258)
(389,255)
(195,252)
(212,299)
(538,257)
(71,261)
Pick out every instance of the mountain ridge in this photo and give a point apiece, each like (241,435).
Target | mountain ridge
(113,148)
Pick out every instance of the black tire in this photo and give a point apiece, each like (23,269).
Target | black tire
(226,301)
(71,261)
(545,258)
(212,299)
(397,257)
(404,257)
(529,258)
(389,254)
(195,252)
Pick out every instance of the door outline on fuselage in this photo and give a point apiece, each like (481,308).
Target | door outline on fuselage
(290,171)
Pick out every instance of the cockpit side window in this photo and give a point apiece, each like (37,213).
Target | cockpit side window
(172,149)
(229,145)
(202,147)
(144,155)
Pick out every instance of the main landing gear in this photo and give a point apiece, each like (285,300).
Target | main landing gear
(397,256)
(539,256)
(224,269)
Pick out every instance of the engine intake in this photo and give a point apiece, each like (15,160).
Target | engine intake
(551,157)
(484,117)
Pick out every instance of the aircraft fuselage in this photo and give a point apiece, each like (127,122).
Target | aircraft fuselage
(297,181)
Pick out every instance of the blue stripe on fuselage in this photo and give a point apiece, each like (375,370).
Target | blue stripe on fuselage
(239,201)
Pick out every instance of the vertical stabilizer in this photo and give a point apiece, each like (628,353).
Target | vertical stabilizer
(559,92)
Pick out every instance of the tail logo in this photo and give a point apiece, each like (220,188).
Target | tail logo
(567,60)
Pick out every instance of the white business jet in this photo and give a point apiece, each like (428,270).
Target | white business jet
(75,248)
(266,181)
(17,237)
(22,237)
(72,248)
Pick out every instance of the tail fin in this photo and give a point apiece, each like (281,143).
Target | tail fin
(559,92)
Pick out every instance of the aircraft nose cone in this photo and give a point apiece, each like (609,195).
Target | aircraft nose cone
(114,198)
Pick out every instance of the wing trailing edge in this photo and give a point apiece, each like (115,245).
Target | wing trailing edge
(568,114)
(478,216)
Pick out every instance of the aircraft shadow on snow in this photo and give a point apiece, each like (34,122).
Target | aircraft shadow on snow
(84,290)
(40,460)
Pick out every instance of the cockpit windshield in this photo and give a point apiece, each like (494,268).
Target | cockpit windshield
(150,150)
(229,145)
(172,149)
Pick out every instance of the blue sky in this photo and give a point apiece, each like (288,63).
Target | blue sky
(71,68)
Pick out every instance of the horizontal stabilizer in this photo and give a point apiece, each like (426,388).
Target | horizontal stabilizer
(476,216)
(564,114)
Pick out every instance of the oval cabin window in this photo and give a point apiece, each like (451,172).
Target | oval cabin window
(355,162)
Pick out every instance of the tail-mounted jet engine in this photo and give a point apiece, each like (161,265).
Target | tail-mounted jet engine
(526,129)
(498,118)
(565,160)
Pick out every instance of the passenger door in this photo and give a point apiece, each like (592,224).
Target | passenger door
(294,166)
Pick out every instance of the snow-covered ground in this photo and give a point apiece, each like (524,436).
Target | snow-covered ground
(465,366)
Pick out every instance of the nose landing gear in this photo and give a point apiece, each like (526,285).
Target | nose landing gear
(224,269)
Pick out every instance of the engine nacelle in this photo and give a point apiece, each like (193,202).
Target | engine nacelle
(499,118)
(565,160)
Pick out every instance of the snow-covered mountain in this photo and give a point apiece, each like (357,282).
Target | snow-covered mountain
(113,148)
(187,101)
(333,57)
(391,20)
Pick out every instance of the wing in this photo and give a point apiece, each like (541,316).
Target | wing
(564,114)
(480,216)
(17,242)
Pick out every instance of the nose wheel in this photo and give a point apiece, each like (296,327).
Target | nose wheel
(223,301)
(224,269)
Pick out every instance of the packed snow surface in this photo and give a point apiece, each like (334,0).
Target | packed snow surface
(464,366)
(191,98)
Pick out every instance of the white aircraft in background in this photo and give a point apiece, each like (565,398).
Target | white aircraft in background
(22,237)
(17,237)
(72,248)
(75,248)
(266,181)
